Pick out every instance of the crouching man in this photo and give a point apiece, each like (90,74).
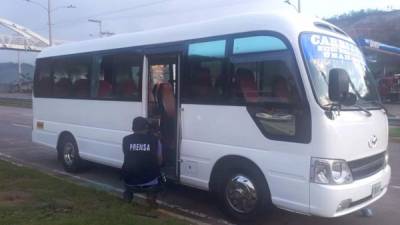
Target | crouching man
(142,162)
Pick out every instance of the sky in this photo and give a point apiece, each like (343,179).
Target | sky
(121,16)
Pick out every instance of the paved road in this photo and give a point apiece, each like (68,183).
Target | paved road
(15,142)
(394,109)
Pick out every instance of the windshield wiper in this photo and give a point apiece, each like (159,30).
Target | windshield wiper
(336,107)
(367,112)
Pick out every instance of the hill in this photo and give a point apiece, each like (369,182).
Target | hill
(377,25)
(9,72)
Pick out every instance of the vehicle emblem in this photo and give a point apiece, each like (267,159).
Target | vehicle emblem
(373,141)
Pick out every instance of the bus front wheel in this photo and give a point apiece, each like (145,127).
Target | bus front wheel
(243,194)
(69,154)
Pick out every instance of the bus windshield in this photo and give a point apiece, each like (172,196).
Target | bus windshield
(323,53)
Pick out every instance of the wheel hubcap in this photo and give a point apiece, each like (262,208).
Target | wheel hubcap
(69,153)
(241,194)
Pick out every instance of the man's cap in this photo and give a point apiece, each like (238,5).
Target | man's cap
(140,124)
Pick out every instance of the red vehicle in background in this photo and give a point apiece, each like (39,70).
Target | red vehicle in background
(389,88)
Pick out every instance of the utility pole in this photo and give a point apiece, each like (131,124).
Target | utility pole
(20,75)
(299,6)
(50,10)
(49,19)
(19,65)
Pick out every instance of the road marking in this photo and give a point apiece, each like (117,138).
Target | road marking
(395,186)
(22,125)
(107,187)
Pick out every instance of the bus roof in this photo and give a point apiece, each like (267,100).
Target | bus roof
(287,23)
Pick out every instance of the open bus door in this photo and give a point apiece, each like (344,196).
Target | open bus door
(162,107)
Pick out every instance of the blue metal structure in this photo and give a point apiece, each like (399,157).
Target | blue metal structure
(377,46)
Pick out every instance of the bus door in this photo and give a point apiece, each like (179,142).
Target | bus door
(162,107)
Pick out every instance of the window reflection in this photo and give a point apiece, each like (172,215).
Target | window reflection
(259,75)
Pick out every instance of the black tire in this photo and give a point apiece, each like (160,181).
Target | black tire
(262,204)
(68,154)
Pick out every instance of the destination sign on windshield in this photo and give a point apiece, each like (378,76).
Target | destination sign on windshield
(328,47)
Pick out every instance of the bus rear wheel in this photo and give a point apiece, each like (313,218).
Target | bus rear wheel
(69,154)
(244,195)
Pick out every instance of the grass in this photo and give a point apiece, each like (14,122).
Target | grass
(30,197)
(24,103)
(394,132)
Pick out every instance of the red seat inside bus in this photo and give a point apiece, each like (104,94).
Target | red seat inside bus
(105,89)
(248,85)
(127,88)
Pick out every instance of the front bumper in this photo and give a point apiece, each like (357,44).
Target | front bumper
(325,199)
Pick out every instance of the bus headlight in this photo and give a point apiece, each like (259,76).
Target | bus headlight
(326,171)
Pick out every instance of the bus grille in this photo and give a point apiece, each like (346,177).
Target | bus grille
(366,167)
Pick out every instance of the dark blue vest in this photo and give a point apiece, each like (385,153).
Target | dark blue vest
(140,159)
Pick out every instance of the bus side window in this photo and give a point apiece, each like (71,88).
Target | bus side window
(118,76)
(264,81)
(103,77)
(79,73)
(127,72)
(62,81)
(206,67)
(43,80)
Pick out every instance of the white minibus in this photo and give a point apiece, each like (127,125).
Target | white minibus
(259,108)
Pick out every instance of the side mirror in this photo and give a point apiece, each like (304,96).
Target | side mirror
(339,84)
